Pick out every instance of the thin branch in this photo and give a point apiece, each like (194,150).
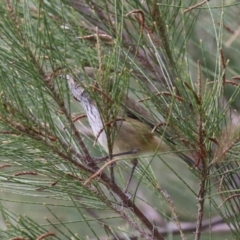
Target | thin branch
(5,165)
(228,198)
(233,37)
(100,171)
(165,94)
(223,66)
(45,235)
(108,124)
(194,93)
(143,26)
(195,6)
(25,173)
(231,83)
(236,77)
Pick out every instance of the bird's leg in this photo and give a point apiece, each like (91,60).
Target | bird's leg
(134,165)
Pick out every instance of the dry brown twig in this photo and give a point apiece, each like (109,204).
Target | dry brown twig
(104,37)
(45,235)
(233,37)
(99,171)
(25,173)
(143,26)
(195,6)
(223,66)
(228,198)
(5,165)
(109,123)
(163,93)
(236,77)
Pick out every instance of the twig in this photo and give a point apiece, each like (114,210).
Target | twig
(221,182)
(74,119)
(213,140)
(105,37)
(25,173)
(233,37)
(5,165)
(226,28)
(171,95)
(194,93)
(195,6)
(236,77)
(143,26)
(106,96)
(133,151)
(140,20)
(231,83)
(45,235)
(106,124)
(232,196)
(163,93)
(223,66)
(100,171)
(158,125)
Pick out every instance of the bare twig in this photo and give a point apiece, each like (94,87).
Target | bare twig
(104,37)
(143,26)
(26,173)
(163,93)
(5,165)
(158,125)
(227,28)
(100,171)
(228,198)
(223,66)
(141,19)
(45,235)
(194,93)
(233,37)
(231,83)
(236,77)
(195,6)
(107,124)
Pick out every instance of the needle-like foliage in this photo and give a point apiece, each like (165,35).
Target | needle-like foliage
(173,65)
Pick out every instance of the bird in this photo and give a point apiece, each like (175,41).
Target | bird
(131,133)
(133,137)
